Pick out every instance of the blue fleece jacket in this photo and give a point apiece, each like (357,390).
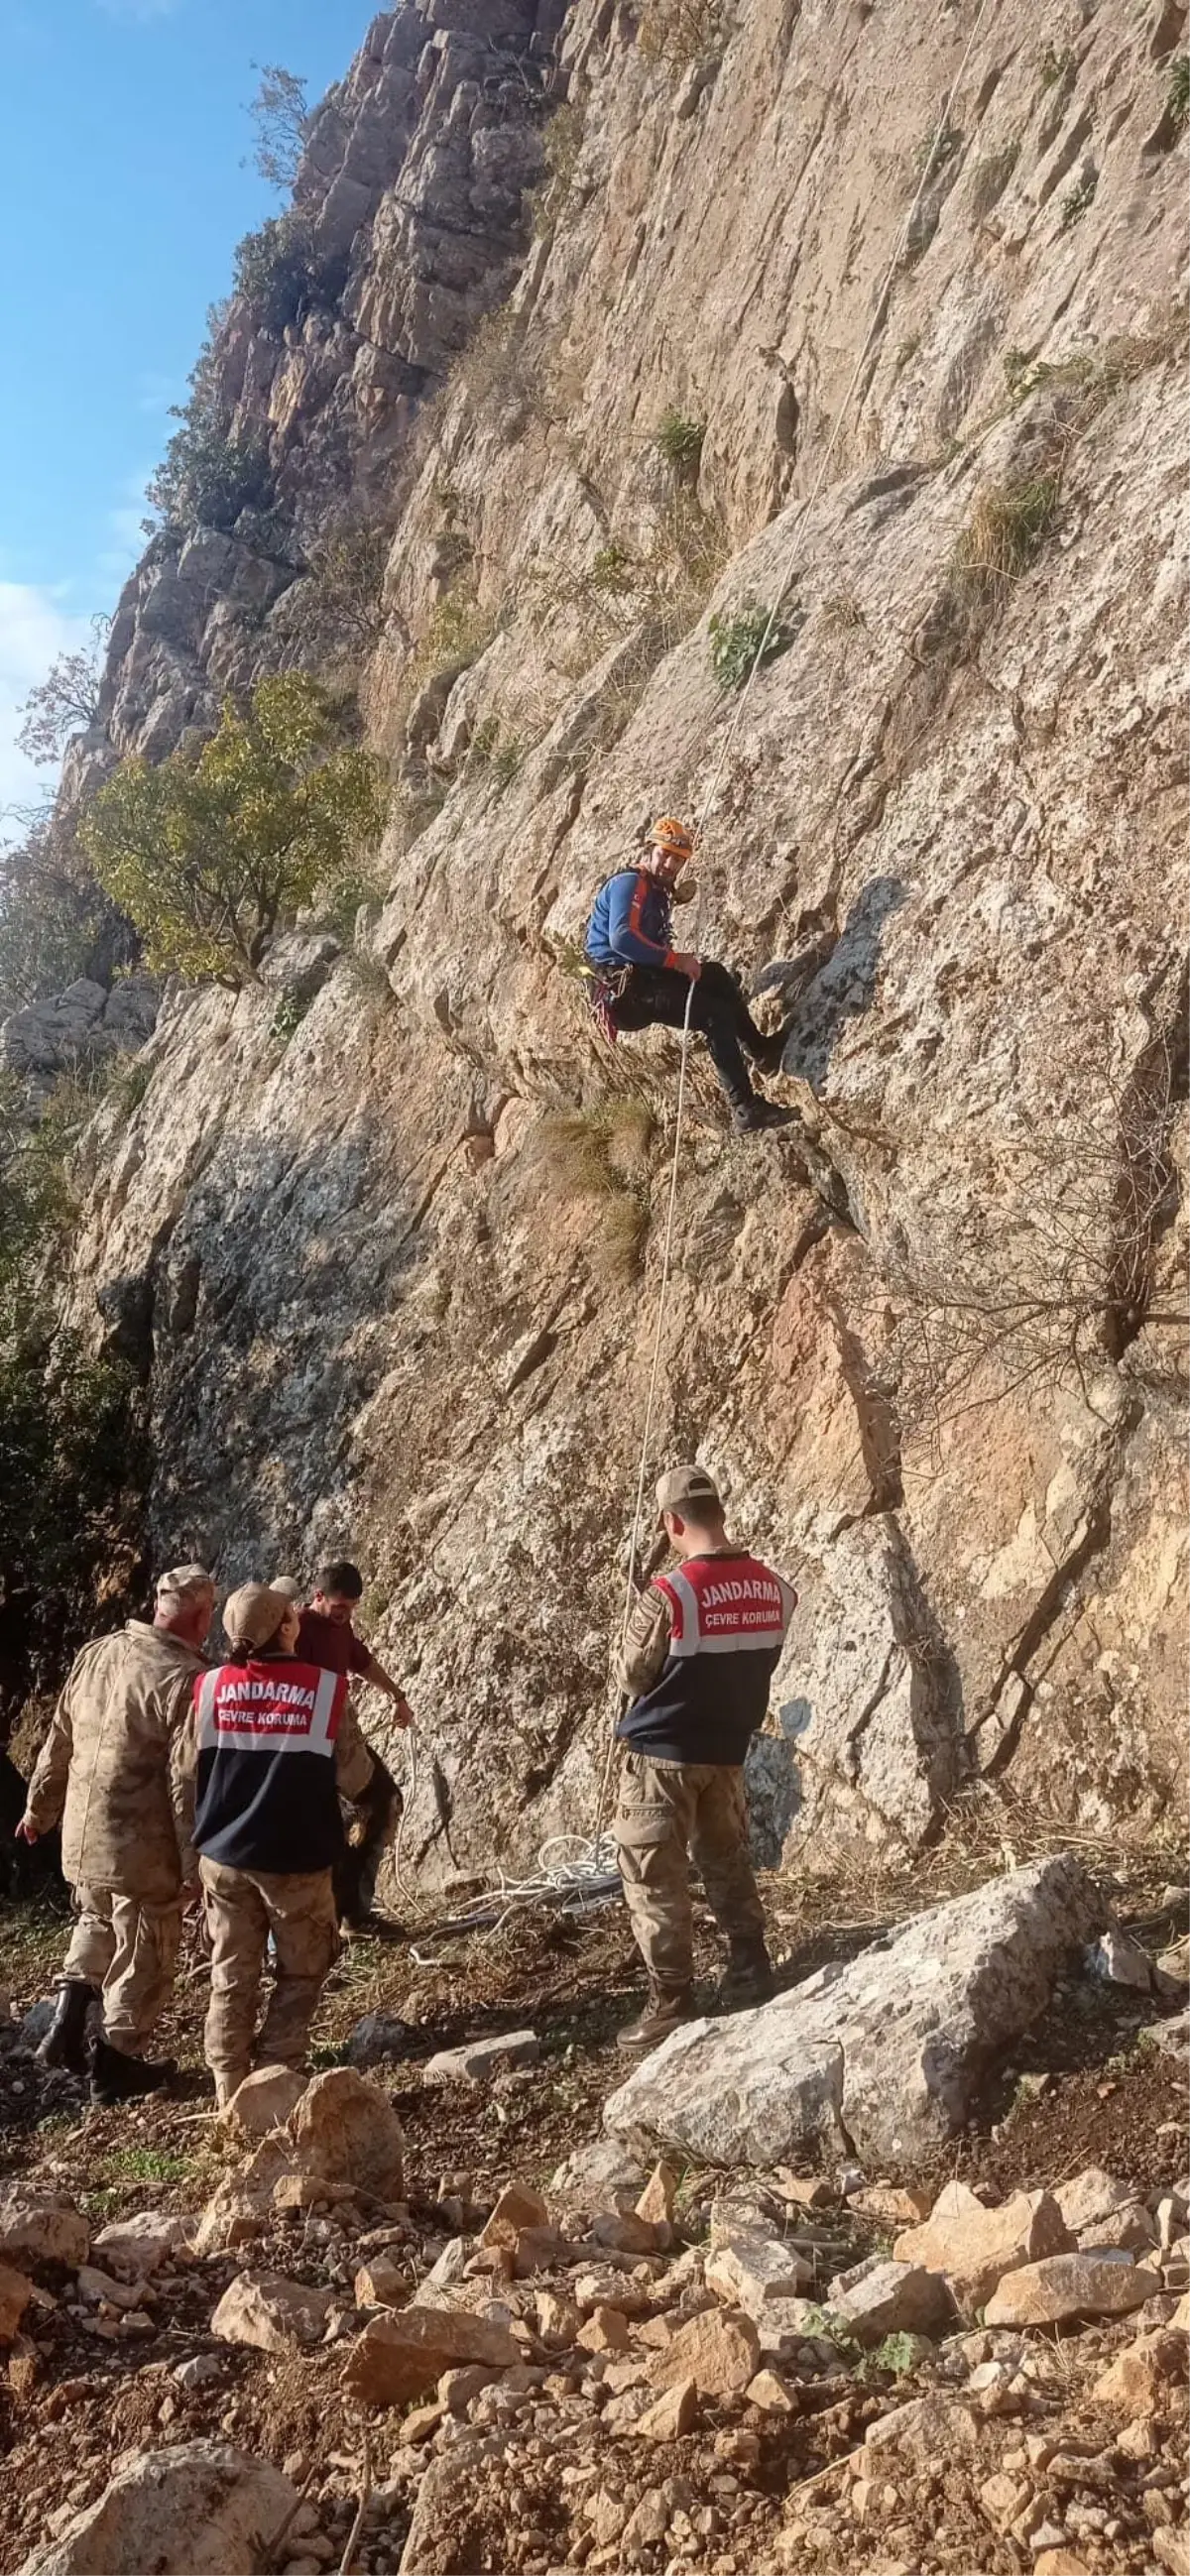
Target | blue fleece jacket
(631,922)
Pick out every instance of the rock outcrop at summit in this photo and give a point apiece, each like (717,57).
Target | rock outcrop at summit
(931,1345)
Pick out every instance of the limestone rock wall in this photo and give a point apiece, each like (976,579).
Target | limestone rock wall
(930,1341)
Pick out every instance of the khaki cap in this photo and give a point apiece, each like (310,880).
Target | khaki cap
(687,1485)
(288,1584)
(182,1580)
(253,1614)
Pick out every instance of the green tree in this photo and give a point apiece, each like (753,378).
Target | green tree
(282,122)
(209,856)
(69,1442)
(67,700)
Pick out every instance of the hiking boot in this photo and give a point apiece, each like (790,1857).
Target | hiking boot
(748,1980)
(370,1927)
(116,2077)
(65,2040)
(751,1115)
(661,2014)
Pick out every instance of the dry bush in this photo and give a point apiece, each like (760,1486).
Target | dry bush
(602,1154)
(681,32)
(1008,526)
(1055,1276)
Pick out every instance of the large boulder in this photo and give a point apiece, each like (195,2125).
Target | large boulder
(345,2131)
(41,2227)
(197,2509)
(886,2051)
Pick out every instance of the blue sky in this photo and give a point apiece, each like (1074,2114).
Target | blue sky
(122,132)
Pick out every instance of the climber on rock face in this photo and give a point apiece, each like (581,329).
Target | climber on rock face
(637,979)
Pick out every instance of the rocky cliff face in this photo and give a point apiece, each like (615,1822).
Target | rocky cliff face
(379,1298)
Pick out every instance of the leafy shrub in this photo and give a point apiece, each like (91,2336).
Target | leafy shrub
(287,1018)
(751,635)
(679,440)
(1056,64)
(282,275)
(1177,95)
(562,143)
(207,477)
(208,856)
(681,32)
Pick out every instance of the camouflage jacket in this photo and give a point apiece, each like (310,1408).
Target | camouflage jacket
(112,1768)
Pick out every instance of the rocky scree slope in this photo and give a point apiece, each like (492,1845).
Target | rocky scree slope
(930,1343)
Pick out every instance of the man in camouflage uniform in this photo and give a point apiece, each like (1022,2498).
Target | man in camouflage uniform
(111,1772)
(275,1745)
(701,1648)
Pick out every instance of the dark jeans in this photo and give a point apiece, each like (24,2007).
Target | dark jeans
(656,997)
(358,1865)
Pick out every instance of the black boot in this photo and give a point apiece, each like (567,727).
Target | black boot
(116,2077)
(65,2040)
(749,1978)
(751,1115)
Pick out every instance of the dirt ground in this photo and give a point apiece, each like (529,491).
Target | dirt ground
(1083,2088)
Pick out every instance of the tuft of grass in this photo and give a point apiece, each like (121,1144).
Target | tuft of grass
(1004,534)
(602,1154)
(738,642)
(679,440)
(287,1018)
(1177,95)
(841,613)
(1077,199)
(144,2164)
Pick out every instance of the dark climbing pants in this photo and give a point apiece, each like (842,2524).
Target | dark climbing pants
(655,996)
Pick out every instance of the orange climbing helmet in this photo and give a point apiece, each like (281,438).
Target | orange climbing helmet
(668,834)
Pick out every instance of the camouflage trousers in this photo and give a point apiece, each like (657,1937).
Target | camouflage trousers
(130,1950)
(669,1812)
(242,1907)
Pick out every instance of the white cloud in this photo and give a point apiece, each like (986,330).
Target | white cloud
(34,630)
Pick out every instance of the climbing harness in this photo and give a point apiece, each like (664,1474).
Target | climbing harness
(602,989)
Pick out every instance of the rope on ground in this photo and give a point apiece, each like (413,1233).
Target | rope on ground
(940,127)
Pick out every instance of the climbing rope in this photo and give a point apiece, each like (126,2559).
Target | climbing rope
(704,810)
(590,1870)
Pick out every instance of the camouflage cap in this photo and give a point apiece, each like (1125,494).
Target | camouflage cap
(181,1581)
(687,1487)
(253,1614)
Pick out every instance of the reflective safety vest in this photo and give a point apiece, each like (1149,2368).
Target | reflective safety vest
(728,1621)
(267,1733)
